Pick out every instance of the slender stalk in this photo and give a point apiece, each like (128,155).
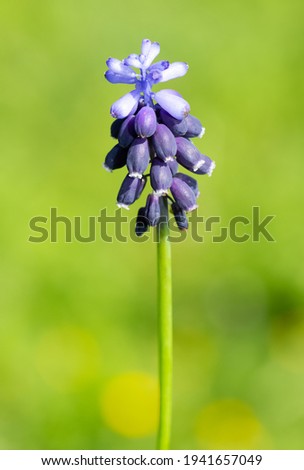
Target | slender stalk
(164,328)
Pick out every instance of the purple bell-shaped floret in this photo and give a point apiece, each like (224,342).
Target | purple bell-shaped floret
(153,209)
(180,216)
(160,176)
(142,223)
(127,132)
(130,190)
(173,165)
(188,155)
(115,128)
(176,126)
(145,122)
(164,142)
(183,195)
(138,157)
(190,182)
(194,127)
(116,158)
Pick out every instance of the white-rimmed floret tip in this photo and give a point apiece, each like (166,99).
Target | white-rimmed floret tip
(198,165)
(122,206)
(212,167)
(161,192)
(107,168)
(200,135)
(135,175)
(207,167)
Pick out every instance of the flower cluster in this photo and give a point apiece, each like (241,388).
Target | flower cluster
(154,129)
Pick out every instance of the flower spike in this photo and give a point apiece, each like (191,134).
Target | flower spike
(154,128)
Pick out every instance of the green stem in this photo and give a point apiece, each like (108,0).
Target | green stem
(165,327)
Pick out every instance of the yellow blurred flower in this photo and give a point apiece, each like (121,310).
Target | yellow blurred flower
(129,404)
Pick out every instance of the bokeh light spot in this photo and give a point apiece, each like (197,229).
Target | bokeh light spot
(229,424)
(236,301)
(287,341)
(129,404)
(67,357)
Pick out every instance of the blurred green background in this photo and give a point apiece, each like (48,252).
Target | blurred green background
(78,339)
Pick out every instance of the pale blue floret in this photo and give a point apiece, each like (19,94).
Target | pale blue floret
(122,71)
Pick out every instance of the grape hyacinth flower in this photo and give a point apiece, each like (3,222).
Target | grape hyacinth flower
(154,128)
(153,132)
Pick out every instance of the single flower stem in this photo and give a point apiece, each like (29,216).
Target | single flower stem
(164,327)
